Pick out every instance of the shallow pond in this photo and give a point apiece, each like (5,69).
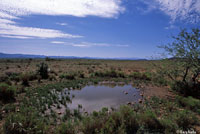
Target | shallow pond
(96,97)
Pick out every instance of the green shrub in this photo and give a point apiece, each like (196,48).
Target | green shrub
(130,118)
(43,70)
(66,128)
(7,92)
(13,76)
(190,103)
(147,76)
(150,122)
(9,108)
(136,75)
(141,76)
(110,73)
(26,121)
(160,80)
(114,124)
(185,119)
(92,125)
(169,126)
(68,76)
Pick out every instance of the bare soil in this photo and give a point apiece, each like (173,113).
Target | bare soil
(161,92)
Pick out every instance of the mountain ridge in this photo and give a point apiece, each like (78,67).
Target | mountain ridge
(26,56)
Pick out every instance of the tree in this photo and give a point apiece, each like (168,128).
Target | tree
(185,52)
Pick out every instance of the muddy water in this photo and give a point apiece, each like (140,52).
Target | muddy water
(96,97)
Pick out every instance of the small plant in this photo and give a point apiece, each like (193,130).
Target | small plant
(7,92)
(43,70)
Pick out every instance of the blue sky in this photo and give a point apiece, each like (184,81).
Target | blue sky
(94,28)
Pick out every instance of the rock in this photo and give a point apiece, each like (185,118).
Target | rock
(129,103)
(125,92)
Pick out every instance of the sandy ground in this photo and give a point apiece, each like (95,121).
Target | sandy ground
(162,92)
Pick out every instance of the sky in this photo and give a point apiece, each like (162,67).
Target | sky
(93,28)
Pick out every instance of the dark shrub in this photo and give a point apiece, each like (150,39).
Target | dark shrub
(25,79)
(110,73)
(4,78)
(187,88)
(52,77)
(7,92)
(141,76)
(13,76)
(68,76)
(43,70)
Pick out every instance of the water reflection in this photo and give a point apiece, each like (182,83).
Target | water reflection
(95,97)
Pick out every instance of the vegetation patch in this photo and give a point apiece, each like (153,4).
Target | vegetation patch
(7,92)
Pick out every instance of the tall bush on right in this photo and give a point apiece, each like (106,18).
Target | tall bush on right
(184,51)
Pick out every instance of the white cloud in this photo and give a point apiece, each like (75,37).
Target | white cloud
(171,26)
(7,16)
(62,24)
(80,8)
(14,9)
(89,44)
(16,37)
(57,42)
(188,10)
(10,29)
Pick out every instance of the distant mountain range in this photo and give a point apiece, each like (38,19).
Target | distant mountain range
(26,56)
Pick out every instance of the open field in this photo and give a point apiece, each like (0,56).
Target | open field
(35,86)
